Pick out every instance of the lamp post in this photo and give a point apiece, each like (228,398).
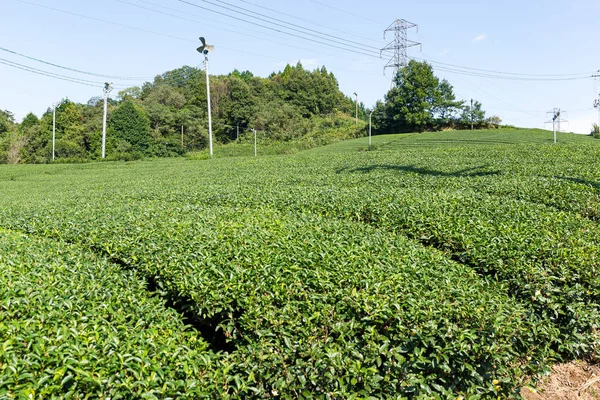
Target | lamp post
(107,89)
(205,49)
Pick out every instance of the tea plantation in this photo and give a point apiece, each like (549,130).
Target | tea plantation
(438,265)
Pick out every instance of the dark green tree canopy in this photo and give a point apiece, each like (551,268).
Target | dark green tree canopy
(130,127)
(28,121)
(419,101)
(7,121)
(168,116)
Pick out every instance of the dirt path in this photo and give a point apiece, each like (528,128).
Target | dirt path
(576,380)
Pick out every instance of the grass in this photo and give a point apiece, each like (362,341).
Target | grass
(428,265)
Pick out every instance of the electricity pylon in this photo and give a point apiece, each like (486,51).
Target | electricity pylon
(399,45)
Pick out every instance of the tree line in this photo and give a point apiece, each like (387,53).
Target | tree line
(168,117)
(420,101)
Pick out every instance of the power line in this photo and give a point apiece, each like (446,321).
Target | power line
(73,69)
(531,113)
(287,24)
(143,30)
(276,29)
(500,77)
(50,74)
(578,74)
(485,92)
(219,27)
(105,21)
(310,22)
(346,12)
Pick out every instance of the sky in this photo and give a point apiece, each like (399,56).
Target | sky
(142,38)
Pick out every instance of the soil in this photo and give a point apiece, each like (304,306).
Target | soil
(575,380)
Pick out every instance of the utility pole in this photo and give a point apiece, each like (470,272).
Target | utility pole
(471,114)
(107,89)
(356,107)
(370,116)
(205,49)
(597,101)
(210,139)
(597,105)
(399,46)
(254,130)
(556,119)
(182,136)
(53,129)
(238,132)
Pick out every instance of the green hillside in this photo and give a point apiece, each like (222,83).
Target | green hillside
(433,265)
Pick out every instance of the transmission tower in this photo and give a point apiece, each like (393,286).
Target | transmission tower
(556,118)
(399,45)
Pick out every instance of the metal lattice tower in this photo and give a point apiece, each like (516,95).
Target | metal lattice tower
(399,45)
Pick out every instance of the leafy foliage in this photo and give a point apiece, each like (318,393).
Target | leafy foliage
(72,323)
(168,117)
(416,270)
(595,131)
(420,101)
(130,128)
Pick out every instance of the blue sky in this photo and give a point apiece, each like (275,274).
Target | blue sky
(528,37)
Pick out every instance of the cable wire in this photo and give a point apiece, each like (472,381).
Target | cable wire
(507,75)
(275,29)
(346,12)
(50,74)
(124,78)
(218,27)
(509,78)
(286,24)
(310,22)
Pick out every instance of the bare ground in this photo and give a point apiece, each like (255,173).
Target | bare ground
(576,380)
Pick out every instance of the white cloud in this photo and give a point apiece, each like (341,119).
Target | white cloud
(480,38)
(445,52)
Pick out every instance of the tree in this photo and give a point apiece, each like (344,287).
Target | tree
(28,121)
(129,128)
(7,121)
(446,106)
(410,104)
(131,93)
(475,115)
(420,101)
(493,122)
(314,93)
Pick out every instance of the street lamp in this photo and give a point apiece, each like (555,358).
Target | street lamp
(205,49)
(107,89)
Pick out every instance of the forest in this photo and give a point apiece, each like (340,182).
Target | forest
(168,117)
